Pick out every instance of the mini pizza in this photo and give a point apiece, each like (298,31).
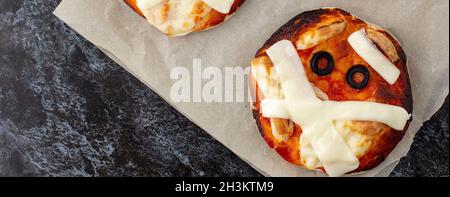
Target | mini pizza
(181,17)
(331,92)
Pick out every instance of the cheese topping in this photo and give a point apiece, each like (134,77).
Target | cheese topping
(314,37)
(180,17)
(174,17)
(222,6)
(317,117)
(265,75)
(267,79)
(365,48)
(147,4)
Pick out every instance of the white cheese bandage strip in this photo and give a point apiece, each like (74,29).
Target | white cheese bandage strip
(365,48)
(331,150)
(316,117)
(393,116)
(222,6)
(274,108)
(284,55)
(336,156)
(145,5)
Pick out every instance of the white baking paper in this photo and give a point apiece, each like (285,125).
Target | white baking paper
(422,26)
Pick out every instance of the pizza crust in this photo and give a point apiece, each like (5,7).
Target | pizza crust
(371,142)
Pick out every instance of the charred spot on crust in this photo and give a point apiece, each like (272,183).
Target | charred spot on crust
(258,123)
(384,92)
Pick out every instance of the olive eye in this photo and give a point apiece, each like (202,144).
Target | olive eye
(358,77)
(322,63)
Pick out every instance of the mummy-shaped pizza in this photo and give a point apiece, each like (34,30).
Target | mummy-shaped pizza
(181,17)
(332,92)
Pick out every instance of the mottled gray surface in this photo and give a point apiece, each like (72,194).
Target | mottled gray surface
(68,110)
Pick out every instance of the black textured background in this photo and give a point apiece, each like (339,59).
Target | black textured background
(68,110)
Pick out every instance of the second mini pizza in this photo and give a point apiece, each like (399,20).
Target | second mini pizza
(181,17)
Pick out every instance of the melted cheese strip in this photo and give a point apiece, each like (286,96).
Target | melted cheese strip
(394,116)
(266,78)
(365,48)
(332,151)
(222,6)
(274,108)
(284,56)
(145,5)
(316,117)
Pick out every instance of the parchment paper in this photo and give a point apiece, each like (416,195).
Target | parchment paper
(422,26)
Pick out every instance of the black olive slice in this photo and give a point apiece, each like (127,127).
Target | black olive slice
(317,63)
(358,83)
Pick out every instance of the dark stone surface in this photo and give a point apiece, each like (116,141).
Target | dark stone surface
(68,110)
